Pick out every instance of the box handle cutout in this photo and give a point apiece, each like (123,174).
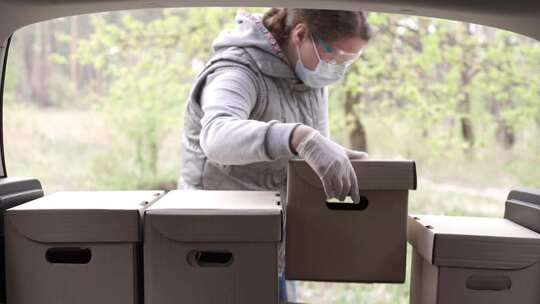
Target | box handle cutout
(202,258)
(68,255)
(484,282)
(347,204)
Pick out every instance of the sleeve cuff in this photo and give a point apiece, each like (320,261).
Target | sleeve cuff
(278,140)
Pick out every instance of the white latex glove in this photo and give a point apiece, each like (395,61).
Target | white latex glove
(332,164)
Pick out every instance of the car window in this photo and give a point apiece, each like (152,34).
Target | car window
(97,102)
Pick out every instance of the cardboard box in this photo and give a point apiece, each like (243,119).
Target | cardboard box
(76,247)
(216,247)
(523,207)
(14,191)
(469,260)
(345,242)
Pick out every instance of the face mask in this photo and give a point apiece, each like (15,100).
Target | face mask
(323,75)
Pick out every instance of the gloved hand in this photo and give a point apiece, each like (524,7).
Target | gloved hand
(352,154)
(332,164)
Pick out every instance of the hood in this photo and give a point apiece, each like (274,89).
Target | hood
(251,35)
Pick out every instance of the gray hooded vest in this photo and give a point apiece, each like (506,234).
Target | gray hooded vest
(250,52)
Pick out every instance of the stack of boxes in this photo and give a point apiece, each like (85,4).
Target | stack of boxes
(204,247)
(199,247)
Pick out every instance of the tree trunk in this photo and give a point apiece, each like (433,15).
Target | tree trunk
(467,129)
(28,39)
(357,134)
(505,135)
(464,105)
(24,44)
(46,71)
(73,65)
(38,68)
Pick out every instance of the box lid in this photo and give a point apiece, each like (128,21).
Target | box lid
(217,216)
(473,242)
(15,191)
(371,174)
(82,216)
(18,190)
(523,208)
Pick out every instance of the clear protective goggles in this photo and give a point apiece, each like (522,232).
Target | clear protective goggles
(333,55)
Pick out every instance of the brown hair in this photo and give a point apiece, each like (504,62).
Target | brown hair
(330,25)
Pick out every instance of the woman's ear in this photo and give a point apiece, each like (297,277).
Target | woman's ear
(299,33)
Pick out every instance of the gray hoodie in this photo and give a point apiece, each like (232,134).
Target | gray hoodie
(241,112)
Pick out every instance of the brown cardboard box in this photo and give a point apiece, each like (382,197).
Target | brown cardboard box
(75,247)
(523,208)
(469,260)
(14,191)
(216,247)
(345,242)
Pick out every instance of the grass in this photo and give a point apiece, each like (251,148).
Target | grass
(75,150)
(55,146)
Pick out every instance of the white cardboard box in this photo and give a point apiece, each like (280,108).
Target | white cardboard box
(76,247)
(469,260)
(345,242)
(212,247)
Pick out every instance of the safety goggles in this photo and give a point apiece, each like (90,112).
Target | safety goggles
(333,55)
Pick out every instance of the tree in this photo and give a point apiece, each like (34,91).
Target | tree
(149,68)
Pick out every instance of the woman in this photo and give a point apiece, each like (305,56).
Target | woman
(261,101)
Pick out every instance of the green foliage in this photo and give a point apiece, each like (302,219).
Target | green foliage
(148,81)
(427,75)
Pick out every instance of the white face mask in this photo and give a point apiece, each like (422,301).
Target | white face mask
(324,73)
